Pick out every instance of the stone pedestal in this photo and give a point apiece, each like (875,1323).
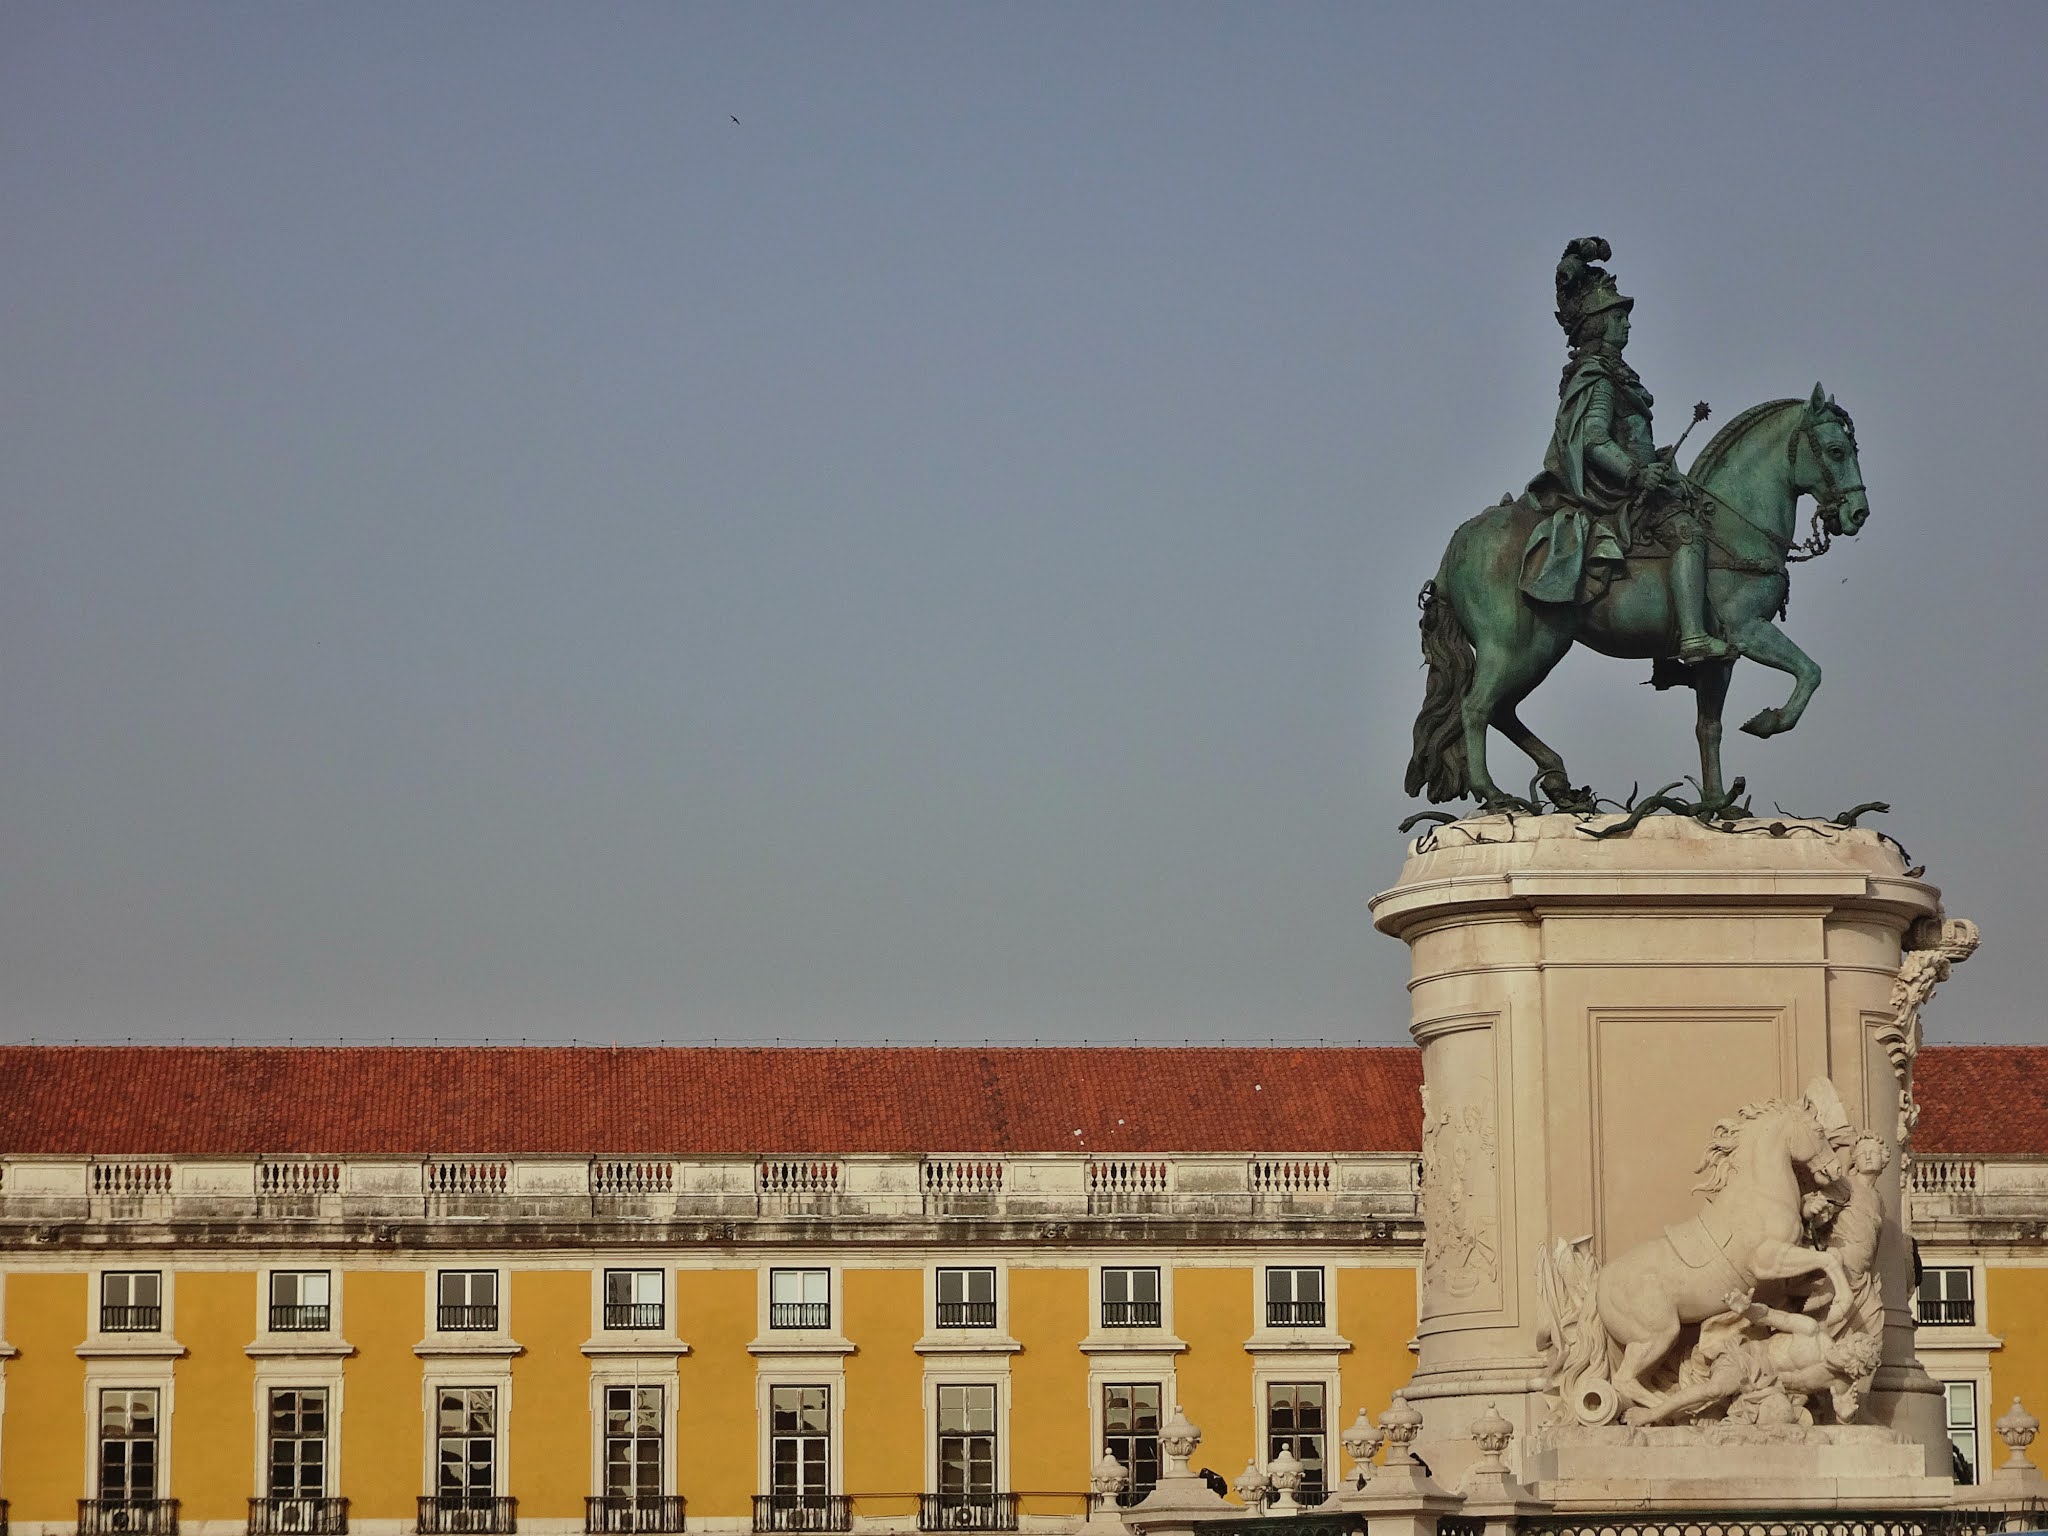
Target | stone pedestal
(1587,1011)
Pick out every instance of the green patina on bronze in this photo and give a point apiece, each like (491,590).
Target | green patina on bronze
(1614,547)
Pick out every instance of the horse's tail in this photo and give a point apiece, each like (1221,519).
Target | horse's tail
(1438,762)
(1573,1337)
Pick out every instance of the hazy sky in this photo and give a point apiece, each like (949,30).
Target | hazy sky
(494,547)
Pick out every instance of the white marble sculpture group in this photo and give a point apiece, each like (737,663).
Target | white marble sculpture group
(1672,1331)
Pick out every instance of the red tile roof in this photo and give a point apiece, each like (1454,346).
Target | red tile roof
(239,1101)
(1985,1100)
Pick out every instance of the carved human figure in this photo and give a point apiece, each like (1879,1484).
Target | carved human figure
(1764,1364)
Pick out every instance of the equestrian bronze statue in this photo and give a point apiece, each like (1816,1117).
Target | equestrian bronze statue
(1613,546)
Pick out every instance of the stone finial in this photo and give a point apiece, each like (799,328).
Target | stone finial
(2017,1428)
(1109,1478)
(1285,1472)
(1492,1433)
(1177,1442)
(1400,1424)
(1251,1484)
(1361,1442)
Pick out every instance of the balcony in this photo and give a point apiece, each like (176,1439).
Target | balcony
(1294,1314)
(127,1517)
(802,1512)
(632,1314)
(967,1314)
(298,1517)
(311,1317)
(468,1514)
(1130,1314)
(801,1314)
(131,1319)
(478,1317)
(967,1512)
(633,1514)
(1946,1312)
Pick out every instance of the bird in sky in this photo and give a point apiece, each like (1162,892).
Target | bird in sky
(734,118)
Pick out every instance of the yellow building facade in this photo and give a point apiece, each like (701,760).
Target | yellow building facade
(213,1336)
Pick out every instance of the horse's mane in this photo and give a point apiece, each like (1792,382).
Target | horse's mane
(1737,427)
(1728,1133)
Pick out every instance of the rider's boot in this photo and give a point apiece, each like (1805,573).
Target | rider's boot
(1689,596)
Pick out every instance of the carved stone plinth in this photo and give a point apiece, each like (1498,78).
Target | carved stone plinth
(1594,1016)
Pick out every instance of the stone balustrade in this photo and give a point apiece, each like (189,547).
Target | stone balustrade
(1947,1193)
(1377,1188)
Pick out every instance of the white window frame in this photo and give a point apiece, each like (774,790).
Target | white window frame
(828,1278)
(160,1471)
(145,1339)
(629,1372)
(1098,1414)
(664,1279)
(457,1380)
(314,1336)
(833,1379)
(330,1469)
(503,1290)
(1978,1471)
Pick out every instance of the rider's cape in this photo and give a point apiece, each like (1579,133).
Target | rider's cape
(1586,507)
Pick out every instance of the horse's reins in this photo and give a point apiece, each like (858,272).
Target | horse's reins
(1827,508)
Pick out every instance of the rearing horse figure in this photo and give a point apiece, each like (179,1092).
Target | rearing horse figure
(1488,644)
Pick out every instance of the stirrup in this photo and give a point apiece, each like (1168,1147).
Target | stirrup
(1698,648)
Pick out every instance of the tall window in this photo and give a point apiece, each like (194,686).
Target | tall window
(632,1298)
(1294,1298)
(800,1442)
(1130,1433)
(967,1298)
(1294,1422)
(128,1437)
(967,1444)
(799,1298)
(632,1442)
(131,1301)
(1130,1298)
(468,1301)
(466,1443)
(298,1443)
(1945,1298)
(298,1301)
(1962,1429)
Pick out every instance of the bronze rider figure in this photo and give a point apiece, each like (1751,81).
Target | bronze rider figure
(1607,486)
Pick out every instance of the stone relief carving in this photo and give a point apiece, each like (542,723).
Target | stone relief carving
(1930,957)
(1759,1318)
(1460,1247)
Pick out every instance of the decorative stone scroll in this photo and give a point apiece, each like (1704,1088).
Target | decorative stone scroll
(1934,948)
(1758,1319)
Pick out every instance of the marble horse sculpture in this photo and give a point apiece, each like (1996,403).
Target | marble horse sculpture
(1612,1327)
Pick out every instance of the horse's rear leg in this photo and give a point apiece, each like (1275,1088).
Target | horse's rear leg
(1501,674)
(1636,1358)
(1710,687)
(1557,783)
(1763,641)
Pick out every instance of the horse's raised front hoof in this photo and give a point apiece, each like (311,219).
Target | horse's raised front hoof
(1765,722)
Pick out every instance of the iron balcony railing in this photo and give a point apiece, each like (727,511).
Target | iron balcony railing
(967,1512)
(803,1512)
(310,1317)
(297,1516)
(127,1517)
(1294,1314)
(967,1314)
(1946,1312)
(632,1314)
(1130,1314)
(468,1514)
(131,1319)
(632,1514)
(479,1317)
(801,1314)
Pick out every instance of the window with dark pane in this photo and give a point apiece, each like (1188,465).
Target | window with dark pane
(967,1298)
(1130,1433)
(632,1441)
(967,1442)
(128,1444)
(1294,1422)
(799,1442)
(298,1443)
(466,1442)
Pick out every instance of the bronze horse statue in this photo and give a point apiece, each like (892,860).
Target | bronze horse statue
(1488,644)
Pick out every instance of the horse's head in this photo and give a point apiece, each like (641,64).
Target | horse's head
(1809,1144)
(1824,464)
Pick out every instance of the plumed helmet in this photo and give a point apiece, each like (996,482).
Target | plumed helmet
(1584,290)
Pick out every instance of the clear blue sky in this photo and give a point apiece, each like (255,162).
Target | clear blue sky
(495,547)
